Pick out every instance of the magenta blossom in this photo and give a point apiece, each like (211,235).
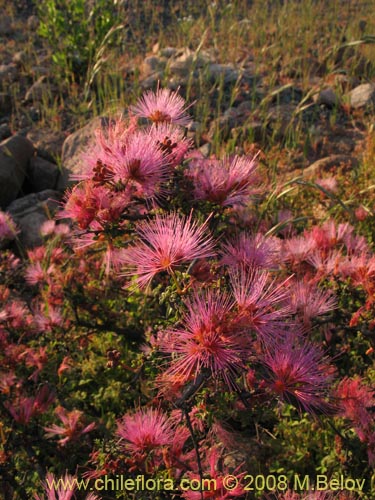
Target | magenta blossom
(165,243)
(225,182)
(206,340)
(298,373)
(8,229)
(162,106)
(145,431)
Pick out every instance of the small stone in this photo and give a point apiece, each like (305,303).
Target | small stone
(327,97)
(362,96)
(31,211)
(168,52)
(329,163)
(152,64)
(223,71)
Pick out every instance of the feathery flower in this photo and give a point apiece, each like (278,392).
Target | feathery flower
(170,139)
(145,431)
(307,300)
(298,373)
(72,428)
(165,243)
(205,341)
(261,302)
(58,489)
(162,106)
(225,182)
(252,251)
(8,229)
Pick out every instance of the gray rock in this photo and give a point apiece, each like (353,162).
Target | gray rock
(15,154)
(362,96)
(327,97)
(29,213)
(47,142)
(42,174)
(168,52)
(281,117)
(227,72)
(151,81)
(152,64)
(332,162)
(73,147)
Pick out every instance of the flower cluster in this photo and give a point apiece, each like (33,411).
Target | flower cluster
(167,327)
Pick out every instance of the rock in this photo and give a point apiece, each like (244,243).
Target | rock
(281,117)
(5,103)
(73,147)
(37,90)
(329,163)
(287,95)
(32,23)
(5,131)
(362,96)
(152,64)
(47,142)
(8,73)
(327,97)
(31,211)
(151,81)
(42,174)
(15,154)
(168,52)
(227,72)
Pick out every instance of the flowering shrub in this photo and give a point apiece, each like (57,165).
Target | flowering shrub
(165,329)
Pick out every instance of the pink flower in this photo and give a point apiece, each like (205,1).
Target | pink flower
(144,432)
(252,251)
(227,182)
(170,139)
(72,428)
(356,400)
(308,301)
(261,302)
(329,184)
(206,341)
(165,243)
(221,490)
(8,229)
(162,106)
(298,373)
(58,489)
(25,408)
(141,165)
